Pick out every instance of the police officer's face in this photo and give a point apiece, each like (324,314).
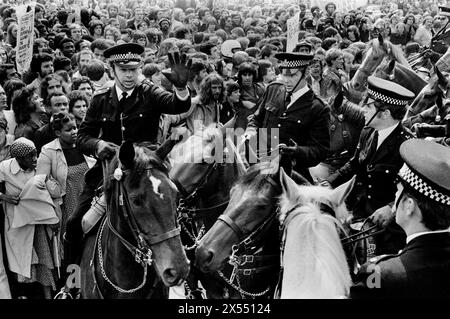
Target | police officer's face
(126,78)
(290,78)
(369,110)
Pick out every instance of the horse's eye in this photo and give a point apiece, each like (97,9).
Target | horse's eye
(137,200)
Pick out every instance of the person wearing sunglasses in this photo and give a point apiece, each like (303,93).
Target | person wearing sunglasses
(377,160)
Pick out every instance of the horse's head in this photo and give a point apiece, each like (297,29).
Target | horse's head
(314,262)
(401,75)
(437,88)
(253,202)
(145,200)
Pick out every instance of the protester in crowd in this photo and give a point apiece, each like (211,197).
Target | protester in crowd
(78,105)
(27,107)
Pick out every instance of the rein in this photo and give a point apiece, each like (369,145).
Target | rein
(142,253)
(187,212)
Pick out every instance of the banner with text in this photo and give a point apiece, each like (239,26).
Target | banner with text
(25,36)
(293,28)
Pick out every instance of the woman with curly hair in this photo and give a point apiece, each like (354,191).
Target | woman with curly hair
(78,105)
(51,83)
(96,29)
(27,107)
(112,33)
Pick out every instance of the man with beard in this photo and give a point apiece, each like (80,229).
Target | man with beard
(138,18)
(113,13)
(295,120)
(164,26)
(42,65)
(207,105)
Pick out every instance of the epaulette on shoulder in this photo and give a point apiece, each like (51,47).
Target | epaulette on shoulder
(101,91)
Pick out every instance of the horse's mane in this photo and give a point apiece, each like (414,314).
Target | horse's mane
(314,261)
(256,177)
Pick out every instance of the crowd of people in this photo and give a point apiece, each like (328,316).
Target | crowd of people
(237,68)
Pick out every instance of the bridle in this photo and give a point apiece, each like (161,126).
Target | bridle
(248,245)
(187,211)
(141,250)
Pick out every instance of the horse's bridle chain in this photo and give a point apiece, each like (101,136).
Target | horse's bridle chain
(143,253)
(239,289)
(100,257)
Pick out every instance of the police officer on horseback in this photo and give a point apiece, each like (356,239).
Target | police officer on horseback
(377,160)
(295,118)
(129,110)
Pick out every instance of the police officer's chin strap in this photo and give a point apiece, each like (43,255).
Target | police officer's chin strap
(122,87)
(371,119)
(303,70)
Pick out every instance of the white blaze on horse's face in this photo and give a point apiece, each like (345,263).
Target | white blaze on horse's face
(155,183)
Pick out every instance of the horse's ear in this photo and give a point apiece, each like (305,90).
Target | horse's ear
(391,67)
(288,186)
(380,39)
(341,192)
(442,81)
(126,154)
(166,147)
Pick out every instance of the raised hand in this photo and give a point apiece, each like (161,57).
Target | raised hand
(179,69)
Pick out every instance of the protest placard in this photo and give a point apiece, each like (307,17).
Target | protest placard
(25,36)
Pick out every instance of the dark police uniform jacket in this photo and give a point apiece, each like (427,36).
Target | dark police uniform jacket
(141,113)
(375,172)
(306,122)
(420,270)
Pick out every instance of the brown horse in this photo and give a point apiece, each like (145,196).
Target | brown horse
(136,252)
(243,246)
(400,74)
(204,180)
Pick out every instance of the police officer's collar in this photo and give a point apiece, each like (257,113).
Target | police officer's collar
(120,91)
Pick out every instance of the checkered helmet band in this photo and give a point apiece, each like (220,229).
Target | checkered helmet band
(125,57)
(422,186)
(386,99)
(294,64)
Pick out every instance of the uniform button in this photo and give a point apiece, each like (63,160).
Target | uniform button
(104,119)
(333,127)
(387,171)
(298,121)
(284,114)
(279,125)
(369,176)
(369,197)
(123,128)
(370,186)
(140,115)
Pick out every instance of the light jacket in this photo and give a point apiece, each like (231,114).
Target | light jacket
(35,207)
(52,162)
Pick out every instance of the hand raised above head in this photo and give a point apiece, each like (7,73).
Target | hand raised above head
(179,69)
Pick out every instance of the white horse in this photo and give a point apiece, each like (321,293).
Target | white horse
(313,260)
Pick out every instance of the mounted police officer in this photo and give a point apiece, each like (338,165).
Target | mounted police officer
(129,110)
(441,40)
(422,209)
(295,118)
(377,160)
